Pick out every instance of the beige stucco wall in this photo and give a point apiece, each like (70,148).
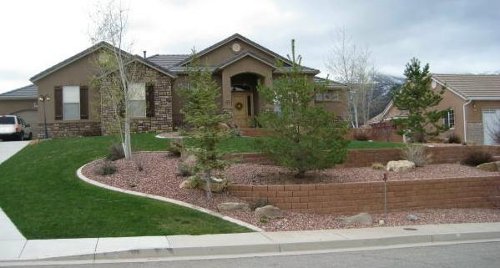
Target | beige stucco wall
(78,73)
(339,108)
(13,106)
(452,101)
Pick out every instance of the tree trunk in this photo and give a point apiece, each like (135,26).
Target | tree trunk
(127,143)
(207,178)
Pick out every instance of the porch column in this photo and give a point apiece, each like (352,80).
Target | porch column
(226,91)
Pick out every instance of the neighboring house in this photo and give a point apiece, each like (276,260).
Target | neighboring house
(21,102)
(237,63)
(474,103)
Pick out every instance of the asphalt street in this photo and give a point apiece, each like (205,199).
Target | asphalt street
(485,254)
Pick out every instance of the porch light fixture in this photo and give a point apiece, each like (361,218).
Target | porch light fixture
(43,99)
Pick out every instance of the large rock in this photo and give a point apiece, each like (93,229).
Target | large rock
(400,165)
(232,206)
(191,183)
(269,211)
(361,218)
(491,167)
(216,185)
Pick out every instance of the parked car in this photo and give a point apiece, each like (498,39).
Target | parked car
(14,127)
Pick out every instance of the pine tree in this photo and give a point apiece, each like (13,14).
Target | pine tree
(303,136)
(416,97)
(204,117)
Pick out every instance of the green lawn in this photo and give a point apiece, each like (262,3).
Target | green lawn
(247,144)
(40,192)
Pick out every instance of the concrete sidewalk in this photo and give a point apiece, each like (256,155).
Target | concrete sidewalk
(94,249)
(8,149)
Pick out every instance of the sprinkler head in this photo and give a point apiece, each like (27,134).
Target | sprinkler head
(385,177)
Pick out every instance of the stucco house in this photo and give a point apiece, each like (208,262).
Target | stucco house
(474,103)
(237,63)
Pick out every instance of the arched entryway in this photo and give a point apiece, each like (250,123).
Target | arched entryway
(245,98)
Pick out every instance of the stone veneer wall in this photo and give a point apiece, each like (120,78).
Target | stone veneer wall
(67,129)
(352,198)
(162,120)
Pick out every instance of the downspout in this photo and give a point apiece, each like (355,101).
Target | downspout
(465,122)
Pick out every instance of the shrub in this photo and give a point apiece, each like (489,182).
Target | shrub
(115,152)
(107,168)
(416,154)
(378,166)
(477,158)
(139,165)
(454,138)
(360,135)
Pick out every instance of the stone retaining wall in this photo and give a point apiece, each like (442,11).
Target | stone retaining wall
(351,198)
(70,129)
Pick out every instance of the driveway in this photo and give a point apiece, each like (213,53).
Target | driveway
(10,148)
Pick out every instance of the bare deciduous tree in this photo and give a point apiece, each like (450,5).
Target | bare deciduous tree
(352,66)
(110,25)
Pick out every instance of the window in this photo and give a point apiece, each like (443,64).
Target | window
(449,119)
(71,102)
(327,96)
(137,99)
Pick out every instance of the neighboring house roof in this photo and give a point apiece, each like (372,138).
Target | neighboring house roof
(471,86)
(329,83)
(91,50)
(29,92)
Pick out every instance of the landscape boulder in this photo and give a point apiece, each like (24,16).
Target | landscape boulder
(216,185)
(269,211)
(361,218)
(491,167)
(412,217)
(400,166)
(233,206)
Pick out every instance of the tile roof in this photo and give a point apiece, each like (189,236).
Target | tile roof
(167,61)
(330,83)
(472,86)
(24,93)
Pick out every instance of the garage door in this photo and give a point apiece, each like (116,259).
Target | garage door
(31,117)
(491,126)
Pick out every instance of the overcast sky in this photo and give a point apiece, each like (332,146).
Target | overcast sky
(452,36)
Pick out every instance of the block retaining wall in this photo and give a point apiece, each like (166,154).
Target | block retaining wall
(351,198)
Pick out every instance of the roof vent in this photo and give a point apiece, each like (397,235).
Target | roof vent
(144,53)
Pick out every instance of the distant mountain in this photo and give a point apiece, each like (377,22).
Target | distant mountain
(384,85)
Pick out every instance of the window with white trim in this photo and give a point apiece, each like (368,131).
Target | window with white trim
(71,102)
(449,119)
(137,99)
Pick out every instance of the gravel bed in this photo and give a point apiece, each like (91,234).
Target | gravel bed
(158,177)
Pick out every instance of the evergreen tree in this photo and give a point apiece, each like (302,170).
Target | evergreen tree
(205,117)
(303,136)
(416,97)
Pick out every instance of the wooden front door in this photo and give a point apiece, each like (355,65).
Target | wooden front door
(243,109)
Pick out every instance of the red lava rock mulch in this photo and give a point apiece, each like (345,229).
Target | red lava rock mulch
(158,177)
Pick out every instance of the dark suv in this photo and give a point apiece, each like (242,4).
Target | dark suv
(14,127)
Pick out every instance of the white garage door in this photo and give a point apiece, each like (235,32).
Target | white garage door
(491,125)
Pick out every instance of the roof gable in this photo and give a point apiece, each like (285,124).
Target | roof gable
(231,39)
(93,49)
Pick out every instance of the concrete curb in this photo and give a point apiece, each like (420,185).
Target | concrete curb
(94,250)
(165,199)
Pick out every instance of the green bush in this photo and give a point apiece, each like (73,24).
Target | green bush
(454,138)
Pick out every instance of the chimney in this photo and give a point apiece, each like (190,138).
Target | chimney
(144,53)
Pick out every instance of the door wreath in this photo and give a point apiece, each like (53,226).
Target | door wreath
(238,106)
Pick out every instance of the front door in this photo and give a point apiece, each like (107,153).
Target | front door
(491,129)
(242,108)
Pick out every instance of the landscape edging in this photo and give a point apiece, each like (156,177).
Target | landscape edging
(82,177)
